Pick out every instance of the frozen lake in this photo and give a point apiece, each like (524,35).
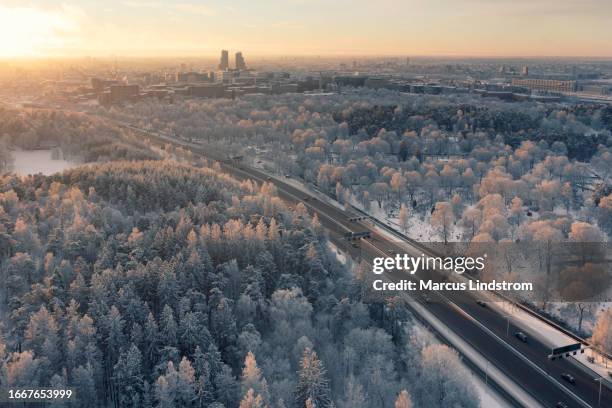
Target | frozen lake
(37,161)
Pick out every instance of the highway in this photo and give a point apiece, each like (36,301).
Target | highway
(534,372)
(461,313)
(481,327)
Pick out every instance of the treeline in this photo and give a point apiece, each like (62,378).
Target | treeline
(154,284)
(6,160)
(79,137)
(443,168)
(514,124)
(394,149)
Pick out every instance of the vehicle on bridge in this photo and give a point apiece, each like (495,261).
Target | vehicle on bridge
(352,236)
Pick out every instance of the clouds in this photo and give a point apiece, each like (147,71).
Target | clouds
(33,31)
(348,27)
(187,8)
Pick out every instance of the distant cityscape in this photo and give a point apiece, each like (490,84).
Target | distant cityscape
(539,80)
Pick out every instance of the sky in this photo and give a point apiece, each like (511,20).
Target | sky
(166,28)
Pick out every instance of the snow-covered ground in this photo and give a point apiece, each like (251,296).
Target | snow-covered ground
(38,161)
(552,337)
(418,228)
(546,333)
(489,398)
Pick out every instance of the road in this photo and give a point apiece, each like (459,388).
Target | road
(461,313)
(481,327)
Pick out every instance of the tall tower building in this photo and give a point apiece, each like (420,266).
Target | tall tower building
(240,64)
(525,71)
(224,63)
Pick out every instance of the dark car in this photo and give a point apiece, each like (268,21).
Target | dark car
(569,378)
(521,336)
(481,303)
(561,405)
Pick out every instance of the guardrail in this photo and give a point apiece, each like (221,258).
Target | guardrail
(405,238)
(522,306)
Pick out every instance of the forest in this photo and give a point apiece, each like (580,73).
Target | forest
(159,284)
(438,168)
(79,138)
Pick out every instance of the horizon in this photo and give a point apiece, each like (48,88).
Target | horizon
(150,29)
(263,57)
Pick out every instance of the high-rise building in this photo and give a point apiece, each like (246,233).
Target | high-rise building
(224,63)
(240,64)
(525,71)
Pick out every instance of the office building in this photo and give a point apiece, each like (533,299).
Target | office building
(120,93)
(224,63)
(191,77)
(551,85)
(100,84)
(240,64)
(207,91)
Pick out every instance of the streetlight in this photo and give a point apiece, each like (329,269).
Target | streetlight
(600,379)
(507,317)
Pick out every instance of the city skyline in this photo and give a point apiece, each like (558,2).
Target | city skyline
(41,29)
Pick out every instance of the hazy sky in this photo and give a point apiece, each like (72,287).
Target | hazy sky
(306,27)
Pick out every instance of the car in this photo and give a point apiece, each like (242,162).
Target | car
(481,303)
(561,405)
(306,198)
(288,175)
(569,378)
(268,178)
(521,336)
(355,244)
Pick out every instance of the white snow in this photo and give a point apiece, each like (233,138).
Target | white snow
(546,333)
(340,256)
(552,337)
(38,161)
(478,359)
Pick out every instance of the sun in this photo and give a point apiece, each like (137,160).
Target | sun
(32,32)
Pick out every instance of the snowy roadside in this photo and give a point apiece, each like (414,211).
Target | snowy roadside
(552,337)
(547,334)
(489,397)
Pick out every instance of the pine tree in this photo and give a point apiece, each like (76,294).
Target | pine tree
(85,386)
(312,382)
(403,400)
(128,377)
(251,401)
(253,379)
(186,384)
(151,339)
(168,329)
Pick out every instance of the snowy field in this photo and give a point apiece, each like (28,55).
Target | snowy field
(38,161)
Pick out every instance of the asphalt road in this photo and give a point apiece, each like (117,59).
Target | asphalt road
(482,327)
(460,312)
